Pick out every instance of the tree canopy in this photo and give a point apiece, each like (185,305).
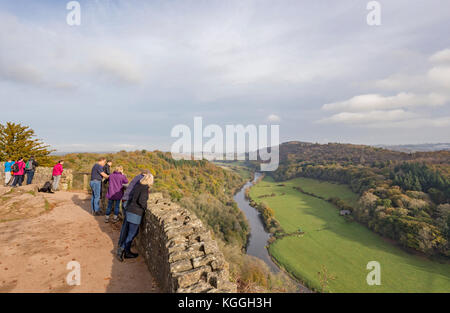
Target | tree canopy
(17,141)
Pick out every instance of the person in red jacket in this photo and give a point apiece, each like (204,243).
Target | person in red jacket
(18,170)
(57,172)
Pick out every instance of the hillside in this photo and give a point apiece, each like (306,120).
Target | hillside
(353,154)
(418,147)
(403,196)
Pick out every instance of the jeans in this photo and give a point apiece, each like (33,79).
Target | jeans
(30,175)
(116,207)
(132,231)
(96,187)
(7,177)
(124,229)
(18,179)
(56,182)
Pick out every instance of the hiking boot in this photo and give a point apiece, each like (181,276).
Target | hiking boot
(119,254)
(107,219)
(130,255)
(115,219)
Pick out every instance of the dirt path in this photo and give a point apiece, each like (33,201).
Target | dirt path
(37,243)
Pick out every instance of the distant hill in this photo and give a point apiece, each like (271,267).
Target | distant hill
(426,147)
(353,154)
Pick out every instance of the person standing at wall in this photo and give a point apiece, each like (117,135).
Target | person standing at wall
(57,172)
(30,168)
(127,196)
(117,180)
(18,170)
(135,210)
(8,166)
(97,175)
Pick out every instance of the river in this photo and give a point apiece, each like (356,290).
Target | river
(257,241)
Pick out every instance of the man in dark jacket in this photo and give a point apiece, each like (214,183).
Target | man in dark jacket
(30,168)
(97,175)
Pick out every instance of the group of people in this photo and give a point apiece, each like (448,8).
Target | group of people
(15,171)
(133,196)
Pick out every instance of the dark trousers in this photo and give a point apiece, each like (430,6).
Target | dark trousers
(132,231)
(18,180)
(124,229)
(30,175)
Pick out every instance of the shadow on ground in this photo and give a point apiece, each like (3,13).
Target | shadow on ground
(131,275)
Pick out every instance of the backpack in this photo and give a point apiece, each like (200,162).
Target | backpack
(29,165)
(15,168)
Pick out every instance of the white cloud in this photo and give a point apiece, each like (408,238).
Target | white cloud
(413,106)
(370,102)
(403,82)
(441,76)
(273,118)
(116,64)
(442,56)
(21,73)
(369,117)
(414,123)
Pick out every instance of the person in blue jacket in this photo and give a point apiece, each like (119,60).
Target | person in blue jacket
(8,166)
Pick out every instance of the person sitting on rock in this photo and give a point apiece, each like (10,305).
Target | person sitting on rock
(135,210)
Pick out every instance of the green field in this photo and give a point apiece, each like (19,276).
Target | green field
(327,190)
(344,248)
(238,167)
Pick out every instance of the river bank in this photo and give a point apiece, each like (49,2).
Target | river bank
(258,239)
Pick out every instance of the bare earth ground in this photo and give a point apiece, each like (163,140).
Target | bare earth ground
(41,233)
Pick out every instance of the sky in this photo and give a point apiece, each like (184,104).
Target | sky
(132,70)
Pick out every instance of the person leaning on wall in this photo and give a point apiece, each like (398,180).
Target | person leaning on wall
(134,213)
(30,169)
(126,199)
(56,174)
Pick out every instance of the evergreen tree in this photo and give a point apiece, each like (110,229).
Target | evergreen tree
(18,141)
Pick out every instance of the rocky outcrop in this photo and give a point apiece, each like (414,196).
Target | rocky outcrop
(179,250)
(43,174)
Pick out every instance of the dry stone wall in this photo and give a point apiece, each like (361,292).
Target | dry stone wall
(179,250)
(42,175)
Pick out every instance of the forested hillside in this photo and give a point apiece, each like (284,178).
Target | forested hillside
(403,196)
(201,186)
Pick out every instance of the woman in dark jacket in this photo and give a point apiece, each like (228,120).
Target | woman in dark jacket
(135,210)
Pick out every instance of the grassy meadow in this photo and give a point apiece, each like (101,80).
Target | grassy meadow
(342,248)
(238,167)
